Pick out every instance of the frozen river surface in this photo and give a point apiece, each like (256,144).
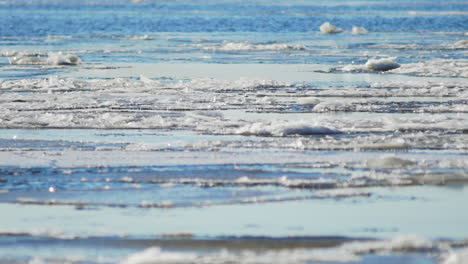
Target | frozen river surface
(226,132)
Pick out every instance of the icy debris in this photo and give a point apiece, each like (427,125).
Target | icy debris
(384,64)
(53,58)
(456,257)
(281,128)
(327,28)
(332,106)
(424,87)
(245,46)
(461,44)
(359,30)
(348,252)
(144,37)
(436,68)
(12,53)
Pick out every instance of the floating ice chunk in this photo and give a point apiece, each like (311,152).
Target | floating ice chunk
(389,162)
(359,30)
(54,58)
(407,243)
(57,58)
(11,53)
(245,46)
(144,37)
(327,28)
(384,64)
(284,129)
(354,68)
(461,44)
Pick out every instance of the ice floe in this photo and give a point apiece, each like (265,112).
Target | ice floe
(285,128)
(434,68)
(461,44)
(143,37)
(438,68)
(327,28)
(379,65)
(348,252)
(359,30)
(245,46)
(53,58)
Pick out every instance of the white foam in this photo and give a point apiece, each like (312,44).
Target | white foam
(327,28)
(245,46)
(53,58)
(359,30)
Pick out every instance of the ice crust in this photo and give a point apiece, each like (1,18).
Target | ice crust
(245,46)
(53,58)
(285,129)
(434,68)
(349,252)
(456,257)
(127,103)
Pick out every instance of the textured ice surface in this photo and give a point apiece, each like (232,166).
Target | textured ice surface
(53,58)
(243,46)
(192,128)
